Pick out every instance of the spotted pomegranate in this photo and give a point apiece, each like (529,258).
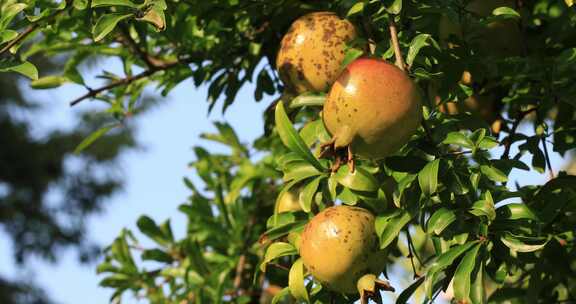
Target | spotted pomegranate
(373,107)
(311,53)
(339,246)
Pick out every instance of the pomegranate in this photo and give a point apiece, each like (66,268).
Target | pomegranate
(312,51)
(373,108)
(339,246)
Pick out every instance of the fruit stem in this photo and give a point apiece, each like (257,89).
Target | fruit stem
(351,162)
(396,44)
(369,287)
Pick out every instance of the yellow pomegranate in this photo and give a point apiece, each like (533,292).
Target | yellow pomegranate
(288,202)
(339,246)
(312,51)
(373,107)
(502,37)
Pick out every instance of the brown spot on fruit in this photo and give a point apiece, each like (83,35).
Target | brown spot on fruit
(316,37)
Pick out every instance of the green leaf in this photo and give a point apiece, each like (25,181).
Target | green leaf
(484,207)
(493,173)
(9,12)
(80,4)
(155,16)
(296,281)
(516,211)
(276,250)
(395,7)
(409,291)
(156,255)
(351,55)
(280,295)
(442,262)
(299,171)
(440,220)
(307,194)
(519,243)
(307,99)
(106,24)
(291,139)
(388,226)
(487,143)
(48,82)
(462,275)
(7,35)
(280,231)
(416,45)
(428,177)
(355,9)
(93,137)
(458,139)
(478,290)
(151,230)
(25,68)
(506,12)
(359,180)
(101,3)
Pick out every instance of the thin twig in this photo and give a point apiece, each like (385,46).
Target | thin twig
(30,30)
(508,140)
(239,272)
(412,253)
(124,81)
(396,44)
(19,38)
(149,60)
(547,157)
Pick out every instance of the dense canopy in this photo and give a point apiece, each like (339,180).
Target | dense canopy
(496,81)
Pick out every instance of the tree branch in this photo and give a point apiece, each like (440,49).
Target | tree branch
(124,81)
(395,44)
(30,30)
(127,39)
(547,157)
(508,139)
(19,38)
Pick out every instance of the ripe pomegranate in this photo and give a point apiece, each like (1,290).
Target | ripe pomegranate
(288,202)
(501,37)
(312,51)
(339,246)
(373,107)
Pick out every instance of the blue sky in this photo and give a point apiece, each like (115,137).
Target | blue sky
(153,176)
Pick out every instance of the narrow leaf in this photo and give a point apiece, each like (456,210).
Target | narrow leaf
(428,177)
(276,250)
(307,194)
(462,275)
(359,180)
(519,244)
(296,281)
(106,24)
(291,139)
(441,219)
(92,138)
